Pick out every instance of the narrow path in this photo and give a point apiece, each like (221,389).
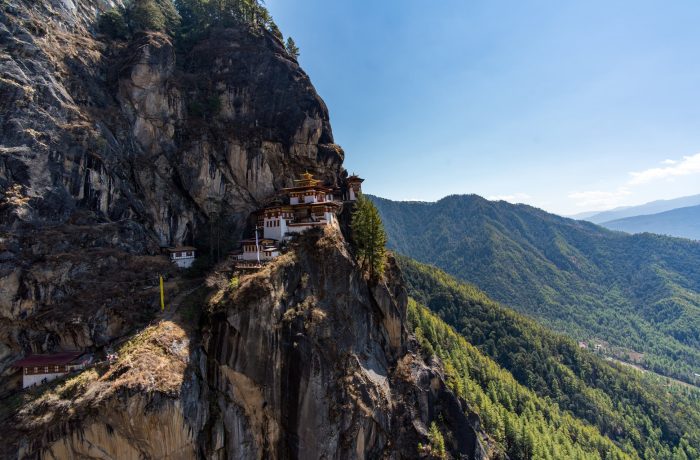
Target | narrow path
(173,305)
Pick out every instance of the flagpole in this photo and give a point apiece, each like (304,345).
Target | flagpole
(162,295)
(257,245)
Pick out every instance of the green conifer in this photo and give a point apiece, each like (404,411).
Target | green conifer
(369,237)
(292,47)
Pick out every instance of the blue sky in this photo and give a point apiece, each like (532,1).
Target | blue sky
(566,105)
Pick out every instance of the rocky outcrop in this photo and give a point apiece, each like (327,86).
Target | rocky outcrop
(129,146)
(145,405)
(303,360)
(306,360)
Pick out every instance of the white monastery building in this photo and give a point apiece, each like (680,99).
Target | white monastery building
(249,250)
(311,205)
(182,256)
(354,187)
(39,369)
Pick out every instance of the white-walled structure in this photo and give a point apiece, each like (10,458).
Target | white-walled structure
(275,221)
(311,205)
(182,256)
(39,369)
(250,249)
(354,187)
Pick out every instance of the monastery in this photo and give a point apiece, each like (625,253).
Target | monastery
(310,205)
(38,369)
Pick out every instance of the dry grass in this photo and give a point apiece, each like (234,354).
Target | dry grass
(153,360)
(77,385)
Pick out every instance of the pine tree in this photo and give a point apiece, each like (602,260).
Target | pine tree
(437,442)
(170,14)
(146,15)
(113,23)
(370,237)
(292,48)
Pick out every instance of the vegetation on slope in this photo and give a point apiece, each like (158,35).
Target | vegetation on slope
(524,425)
(628,293)
(188,20)
(639,412)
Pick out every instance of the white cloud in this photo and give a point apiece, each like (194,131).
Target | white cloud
(514,198)
(599,198)
(685,167)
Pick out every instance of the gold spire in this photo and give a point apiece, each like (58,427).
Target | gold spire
(308,179)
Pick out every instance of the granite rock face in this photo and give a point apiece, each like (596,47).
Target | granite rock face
(302,360)
(110,150)
(144,147)
(307,360)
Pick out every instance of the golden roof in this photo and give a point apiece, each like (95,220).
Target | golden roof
(308,179)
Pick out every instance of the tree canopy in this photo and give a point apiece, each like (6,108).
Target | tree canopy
(369,237)
(292,48)
(187,19)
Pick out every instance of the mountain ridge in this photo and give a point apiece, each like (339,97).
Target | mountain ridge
(679,222)
(652,207)
(619,401)
(637,293)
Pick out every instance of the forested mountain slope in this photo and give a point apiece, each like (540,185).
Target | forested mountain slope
(624,293)
(682,222)
(642,413)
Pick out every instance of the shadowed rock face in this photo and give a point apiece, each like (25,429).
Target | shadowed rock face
(307,361)
(303,360)
(110,150)
(142,146)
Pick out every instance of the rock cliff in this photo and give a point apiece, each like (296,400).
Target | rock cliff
(117,148)
(112,149)
(301,360)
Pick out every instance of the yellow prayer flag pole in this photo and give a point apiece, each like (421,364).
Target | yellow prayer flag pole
(162,295)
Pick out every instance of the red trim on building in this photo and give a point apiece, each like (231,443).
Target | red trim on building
(57,359)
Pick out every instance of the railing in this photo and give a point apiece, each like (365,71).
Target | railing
(251,264)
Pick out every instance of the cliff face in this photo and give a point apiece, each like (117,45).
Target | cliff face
(304,359)
(116,148)
(110,150)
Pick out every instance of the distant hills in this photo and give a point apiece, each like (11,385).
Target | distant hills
(653,207)
(682,222)
(678,217)
(637,296)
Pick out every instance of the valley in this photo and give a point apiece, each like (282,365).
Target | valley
(638,293)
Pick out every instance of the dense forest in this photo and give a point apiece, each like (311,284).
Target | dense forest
(636,297)
(640,412)
(522,425)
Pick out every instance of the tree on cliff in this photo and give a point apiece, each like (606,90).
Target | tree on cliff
(199,15)
(155,15)
(292,47)
(140,15)
(369,237)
